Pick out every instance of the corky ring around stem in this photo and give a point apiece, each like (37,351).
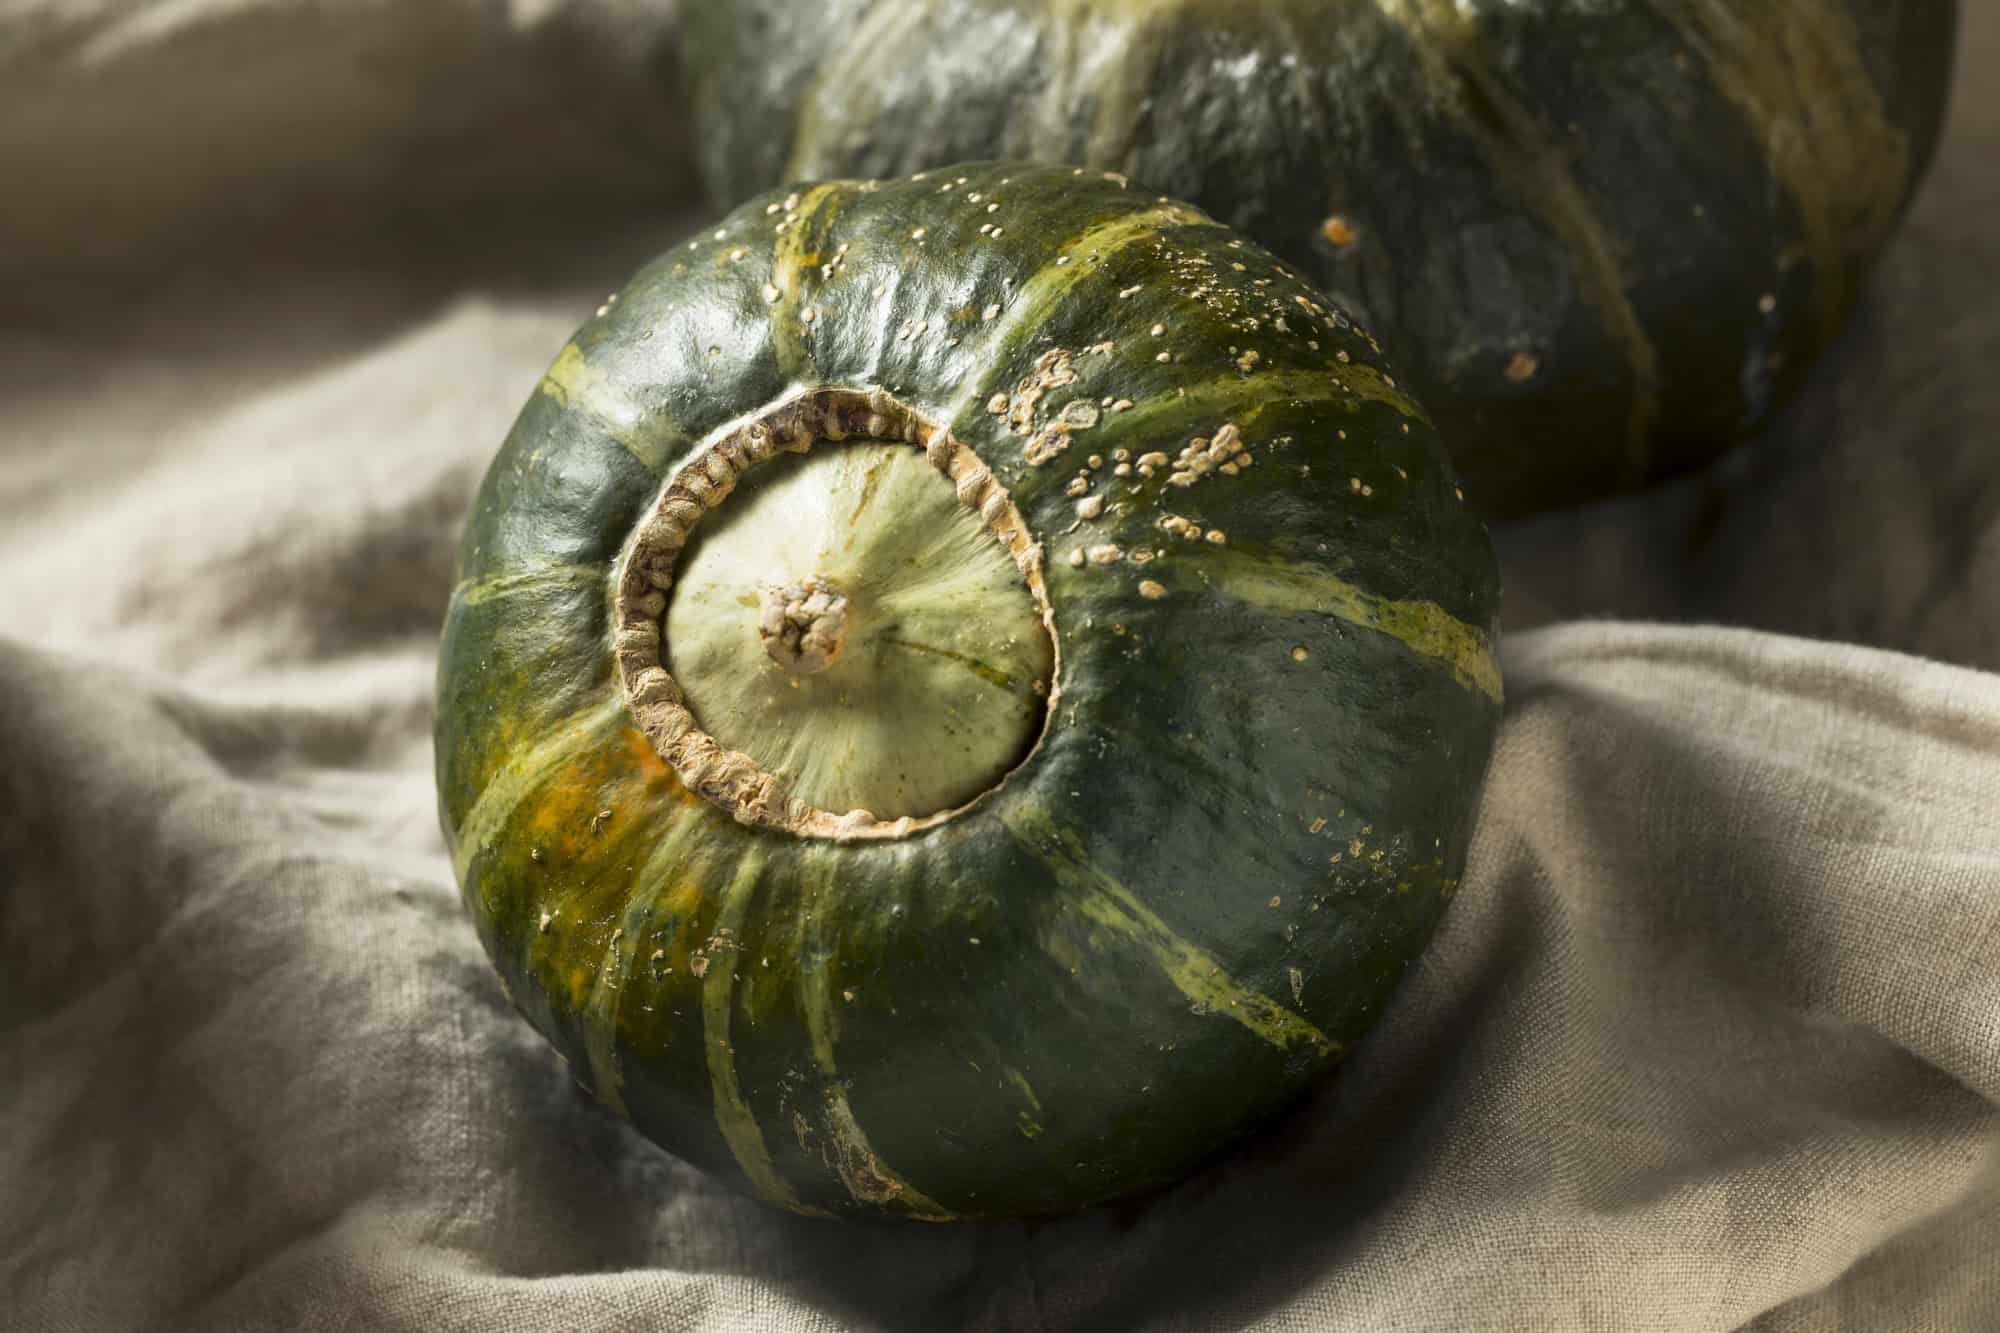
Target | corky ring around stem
(730,779)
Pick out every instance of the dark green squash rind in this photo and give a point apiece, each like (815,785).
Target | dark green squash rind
(1249,811)
(1666,206)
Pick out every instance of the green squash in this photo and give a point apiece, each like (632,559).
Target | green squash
(1604,238)
(963,693)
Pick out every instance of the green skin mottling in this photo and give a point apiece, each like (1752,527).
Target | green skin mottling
(1250,806)
(1606,239)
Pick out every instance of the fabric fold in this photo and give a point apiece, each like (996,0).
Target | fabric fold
(1706,1037)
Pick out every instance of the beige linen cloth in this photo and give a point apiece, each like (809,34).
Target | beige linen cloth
(1711,1039)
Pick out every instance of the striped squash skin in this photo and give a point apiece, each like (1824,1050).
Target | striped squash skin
(1247,814)
(1605,238)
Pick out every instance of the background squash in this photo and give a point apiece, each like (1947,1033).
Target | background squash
(963,693)
(1604,238)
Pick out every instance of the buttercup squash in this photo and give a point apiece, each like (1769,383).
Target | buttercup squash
(963,693)
(1605,239)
